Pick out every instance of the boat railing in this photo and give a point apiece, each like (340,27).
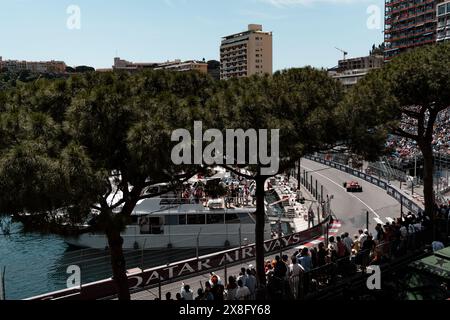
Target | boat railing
(211,202)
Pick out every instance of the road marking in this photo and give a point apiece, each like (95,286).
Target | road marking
(389,219)
(378,220)
(350,194)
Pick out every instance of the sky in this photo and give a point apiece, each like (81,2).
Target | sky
(305,32)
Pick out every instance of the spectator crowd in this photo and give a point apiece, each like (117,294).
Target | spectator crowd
(310,269)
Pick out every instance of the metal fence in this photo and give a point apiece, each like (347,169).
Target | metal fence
(391,190)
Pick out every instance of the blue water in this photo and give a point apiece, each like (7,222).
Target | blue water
(36,264)
(31,262)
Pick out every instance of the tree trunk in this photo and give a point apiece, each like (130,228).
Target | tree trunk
(259,229)
(118,264)
(428,163)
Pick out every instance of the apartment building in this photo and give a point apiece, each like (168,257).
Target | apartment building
(246,53)
(367,62)
(33,66)
(120,64)
(443,21)
(182,66)
(408,24)
(350,71)
(175,65)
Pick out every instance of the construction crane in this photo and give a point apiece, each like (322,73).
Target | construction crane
(344,52)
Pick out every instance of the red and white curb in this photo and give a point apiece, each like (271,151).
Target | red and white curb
(333,231)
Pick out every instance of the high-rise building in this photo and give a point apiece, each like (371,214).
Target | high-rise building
(408,24)
(246,53)
(443,21)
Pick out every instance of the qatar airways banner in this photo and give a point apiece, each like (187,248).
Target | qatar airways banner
(138,279)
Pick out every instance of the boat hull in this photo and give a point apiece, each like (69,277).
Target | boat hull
(192,237)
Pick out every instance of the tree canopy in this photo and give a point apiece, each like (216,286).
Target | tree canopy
(404,98)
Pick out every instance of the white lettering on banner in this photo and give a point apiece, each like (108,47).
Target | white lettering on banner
(185,268)
(205,264)
(155,275)
(226,258)
(170,271)
(247,253)
(139,282)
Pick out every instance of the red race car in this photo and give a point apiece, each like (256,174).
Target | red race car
(353,186)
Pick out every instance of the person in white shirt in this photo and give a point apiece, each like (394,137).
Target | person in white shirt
(295,270)
(243,275)
(186,293)
(242,292)
(363,236)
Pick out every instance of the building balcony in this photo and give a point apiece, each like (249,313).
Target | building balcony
(397,19)
(424,33)
(394,10)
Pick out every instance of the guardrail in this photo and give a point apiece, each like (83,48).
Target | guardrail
(392,191)
(139,280)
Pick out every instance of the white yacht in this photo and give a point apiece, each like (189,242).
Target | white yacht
(161,223)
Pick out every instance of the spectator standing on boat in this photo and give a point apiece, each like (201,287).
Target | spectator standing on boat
(242,293)
(253,195)
(246,194)
(186,293)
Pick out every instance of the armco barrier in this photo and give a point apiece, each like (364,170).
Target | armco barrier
(138,280)
(392,191)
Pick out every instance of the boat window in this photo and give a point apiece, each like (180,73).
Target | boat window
(215,218)
(196,219)
(245,218)
(134,219)
(231,218)
(155,221)
(182,219)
